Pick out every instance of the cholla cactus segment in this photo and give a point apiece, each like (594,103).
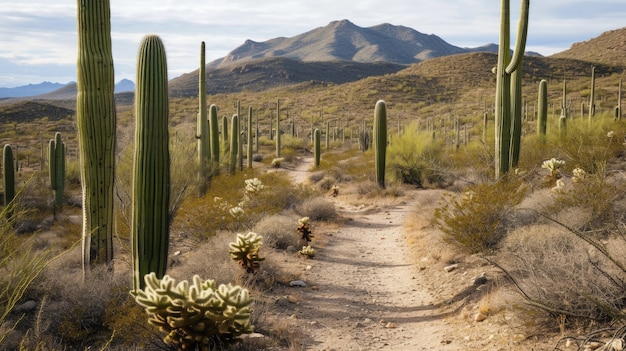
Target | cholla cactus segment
(304,227)
(578,175)
(236,211)
(304,221)
(254,185)
(560,186)
(610,134)
(245,250)
(277,161)
(307,251)
(553,166)
(334,190)
(196,316)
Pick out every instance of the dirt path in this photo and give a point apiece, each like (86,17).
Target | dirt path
(363,291)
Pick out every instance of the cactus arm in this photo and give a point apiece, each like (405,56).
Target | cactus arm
(151,170)
(96,122)
(215,135)
(542,108)
(234,139)
(520,41)
(249,145)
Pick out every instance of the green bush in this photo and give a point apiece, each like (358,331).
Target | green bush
(472,220)
(411,156)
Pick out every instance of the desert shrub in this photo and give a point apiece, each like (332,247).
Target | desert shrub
(318,209)
(278,231)
(411,156)
(472,220)
(564,276)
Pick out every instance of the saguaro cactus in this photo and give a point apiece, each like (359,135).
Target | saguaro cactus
(96,122)
(278,128)
(215,135)
(380,141)
(151,175)
(592,94)
(234,140)
(564,107)
(317,147)
(56,170)
(542,109)
(202,126)
(8,167)
(249,144)
(507,66)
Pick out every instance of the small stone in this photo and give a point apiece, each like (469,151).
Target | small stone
(297,283)
(309,267)
(451,267)
(479,317)
(26,306)
(390,325)
(615,345)
(252,336)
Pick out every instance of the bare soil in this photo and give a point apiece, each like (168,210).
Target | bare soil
(383,280)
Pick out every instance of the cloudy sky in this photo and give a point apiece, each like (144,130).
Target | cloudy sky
(38,37)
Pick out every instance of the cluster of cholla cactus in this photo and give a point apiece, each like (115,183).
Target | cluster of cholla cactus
(307,251)
(578,175)
(304,227)
(553,165)
(245,251)
(196,316)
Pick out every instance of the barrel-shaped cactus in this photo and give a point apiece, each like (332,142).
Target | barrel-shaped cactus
(56,169)
(507,106)
(380,141)
(96,123)
(8,178)
(151,171)
(317,147)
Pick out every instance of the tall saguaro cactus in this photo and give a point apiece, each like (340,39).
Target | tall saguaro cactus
(542,109)
(278,128)
(506,109)
(234,140)
(202,126)
(56,168)
(249,145)
(8,178)
(215,135)
(151,170)
(95,121)
(380,141)
(317,147)
(592,94)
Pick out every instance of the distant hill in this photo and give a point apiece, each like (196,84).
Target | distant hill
(30,110)
(608,48)
(30,90)
(271,72)
(345,41)
(56,91)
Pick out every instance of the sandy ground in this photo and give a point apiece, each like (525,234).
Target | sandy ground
(371,287)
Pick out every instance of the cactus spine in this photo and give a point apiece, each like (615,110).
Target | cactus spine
(202,126)
(151,174)
(8,166)
(380,140)
(317,147)
(249,145)
(215,135)
(56,170)
(234,139)
(505,86)
(542,109)
(96,121)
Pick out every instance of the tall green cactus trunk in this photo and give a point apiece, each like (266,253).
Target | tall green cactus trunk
(618,109)
(564,114)
(96,122)
(239,138)
(278,128)
(508,66)
(151,175)
(215,135)
(380,141)
(317,147)
(202,127)
(542,109)
(249,145)
(8,168)
(234,140)
(225,132)
(592,94)
(56,170)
